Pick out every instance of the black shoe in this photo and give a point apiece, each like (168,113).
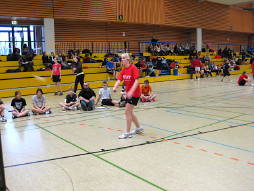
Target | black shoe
(61,93)
(56,93)
(14,117)
(83,107)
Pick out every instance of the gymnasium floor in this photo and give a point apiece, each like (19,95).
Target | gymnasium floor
(48,153)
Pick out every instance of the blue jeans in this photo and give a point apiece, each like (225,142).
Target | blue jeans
(87,106)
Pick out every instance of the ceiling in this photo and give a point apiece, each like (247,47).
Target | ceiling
(231,2)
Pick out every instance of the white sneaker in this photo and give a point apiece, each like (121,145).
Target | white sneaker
(125,136)
(137,131)
(3,119)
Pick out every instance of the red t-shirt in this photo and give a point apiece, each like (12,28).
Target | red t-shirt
(56,69)
(197,63)
(129,75)
(243,76)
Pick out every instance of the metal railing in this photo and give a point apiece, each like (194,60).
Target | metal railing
(93,46)
(146,46)
(234,47)
(7,47)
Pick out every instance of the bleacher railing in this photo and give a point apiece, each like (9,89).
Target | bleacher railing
(93,46)
(7,47)
(145,46)
(234,47)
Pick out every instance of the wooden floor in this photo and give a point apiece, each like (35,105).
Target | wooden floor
(49,153)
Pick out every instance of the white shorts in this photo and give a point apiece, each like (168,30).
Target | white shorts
(197,69)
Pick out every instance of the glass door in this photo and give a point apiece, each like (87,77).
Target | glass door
(6,46)
(22,37)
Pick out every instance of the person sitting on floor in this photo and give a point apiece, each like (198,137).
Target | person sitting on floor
(71,102)
(39,103)
(146,92)
(19,104)
(243,79)
(2,108)
(87,98)
(105,96)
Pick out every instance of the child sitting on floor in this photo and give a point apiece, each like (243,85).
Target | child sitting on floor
(243,79)
(105,96)
(39,103)
(18,104)
(146,92)
(2,108)
(71,102)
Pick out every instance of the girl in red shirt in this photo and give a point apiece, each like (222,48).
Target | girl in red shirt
(130,75)
(56,76)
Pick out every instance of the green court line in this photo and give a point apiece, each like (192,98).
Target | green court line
(203,126)
(104,160)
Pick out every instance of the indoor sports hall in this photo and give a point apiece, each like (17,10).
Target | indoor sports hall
(127,95)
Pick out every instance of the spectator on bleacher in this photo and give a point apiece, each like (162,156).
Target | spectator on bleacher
(39,103)
(19,104)
(63,62)
(2,109)
(105,96)
(51,57)
(80,75)
(56,75)
(87,98)
(147,92)
(26,63)
(45,61)
(15,56)
(207,71)
(116,60)
(150,70)
(214,68)
(25,49)
(71,102)
(157,50)
(243,79)
(111,68)
(219,52)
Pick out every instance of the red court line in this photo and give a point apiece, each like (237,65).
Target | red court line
(218,154)
(177,143)
(235,159)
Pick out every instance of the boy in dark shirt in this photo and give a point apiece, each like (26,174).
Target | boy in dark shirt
(71,102)
(87,98)
(18,104)
(2,108)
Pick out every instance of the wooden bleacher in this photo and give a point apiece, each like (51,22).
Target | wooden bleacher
(28,82)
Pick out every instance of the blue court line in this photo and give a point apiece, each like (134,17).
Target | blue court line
(202,117)
(194,137)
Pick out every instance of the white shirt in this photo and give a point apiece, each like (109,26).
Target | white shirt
(105,93)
